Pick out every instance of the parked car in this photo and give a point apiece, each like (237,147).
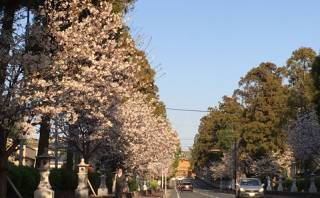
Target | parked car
(250,187)
(186,186)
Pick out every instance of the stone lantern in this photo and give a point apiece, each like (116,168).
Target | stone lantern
(44,189)
(145,187)
(82,190)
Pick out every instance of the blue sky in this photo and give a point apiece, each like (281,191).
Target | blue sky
(204,46)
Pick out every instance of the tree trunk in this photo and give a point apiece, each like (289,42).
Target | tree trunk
(3,164)
(77,158)
(3,176)
(44,136)
(6,38)
(69,164)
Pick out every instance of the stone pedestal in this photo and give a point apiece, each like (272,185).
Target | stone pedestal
(280,187)
(312,188)
(294,185)
(44,189)
(102,190)
(145,187)
(269,188)
(82,190)
(233,184)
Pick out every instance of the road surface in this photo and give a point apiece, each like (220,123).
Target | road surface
(201,190)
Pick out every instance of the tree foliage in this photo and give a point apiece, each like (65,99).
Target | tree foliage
(80,68)
(205,140)
(304,137)
(269,115)
(265,101)
(316,80)
(301,88)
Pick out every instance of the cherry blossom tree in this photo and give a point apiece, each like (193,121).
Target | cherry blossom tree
(304,137)
(15,123)
(91,70)
(223,168)
(271,164)
(81,70)
(143,135)
(92,81)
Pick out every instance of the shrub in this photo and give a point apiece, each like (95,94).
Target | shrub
(26,180)
(303,184)
(109,181)
(63,179)
(154,184)
(94,178)
(133,185)
(287,184)
(317,181)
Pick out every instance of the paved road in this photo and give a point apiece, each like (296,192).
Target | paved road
(201,190)
(199,193)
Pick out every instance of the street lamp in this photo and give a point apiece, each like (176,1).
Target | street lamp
(294,179)
(294,168)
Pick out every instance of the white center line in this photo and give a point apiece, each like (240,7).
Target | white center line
(177,193)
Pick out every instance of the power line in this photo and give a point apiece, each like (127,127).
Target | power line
(189,110)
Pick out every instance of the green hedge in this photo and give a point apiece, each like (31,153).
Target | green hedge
(94,180)
(302,184)
(154,184)
(133,185)
(109,181)
(63,179)
(25,179)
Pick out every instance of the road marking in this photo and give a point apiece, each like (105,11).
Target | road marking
(177,193)
(205,194)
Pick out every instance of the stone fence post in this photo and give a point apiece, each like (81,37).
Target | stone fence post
(294,185)
(280,187)
(312,188)
(269,188)
(102,190)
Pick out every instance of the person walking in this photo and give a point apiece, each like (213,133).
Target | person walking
(120,183)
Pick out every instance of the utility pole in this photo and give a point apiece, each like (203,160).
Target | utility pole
(162,179)
(235,164)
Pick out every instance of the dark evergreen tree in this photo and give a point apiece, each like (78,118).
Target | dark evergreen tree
(264,98)
(301,85)
(316,80)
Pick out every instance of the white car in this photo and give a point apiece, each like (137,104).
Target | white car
(250,187)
